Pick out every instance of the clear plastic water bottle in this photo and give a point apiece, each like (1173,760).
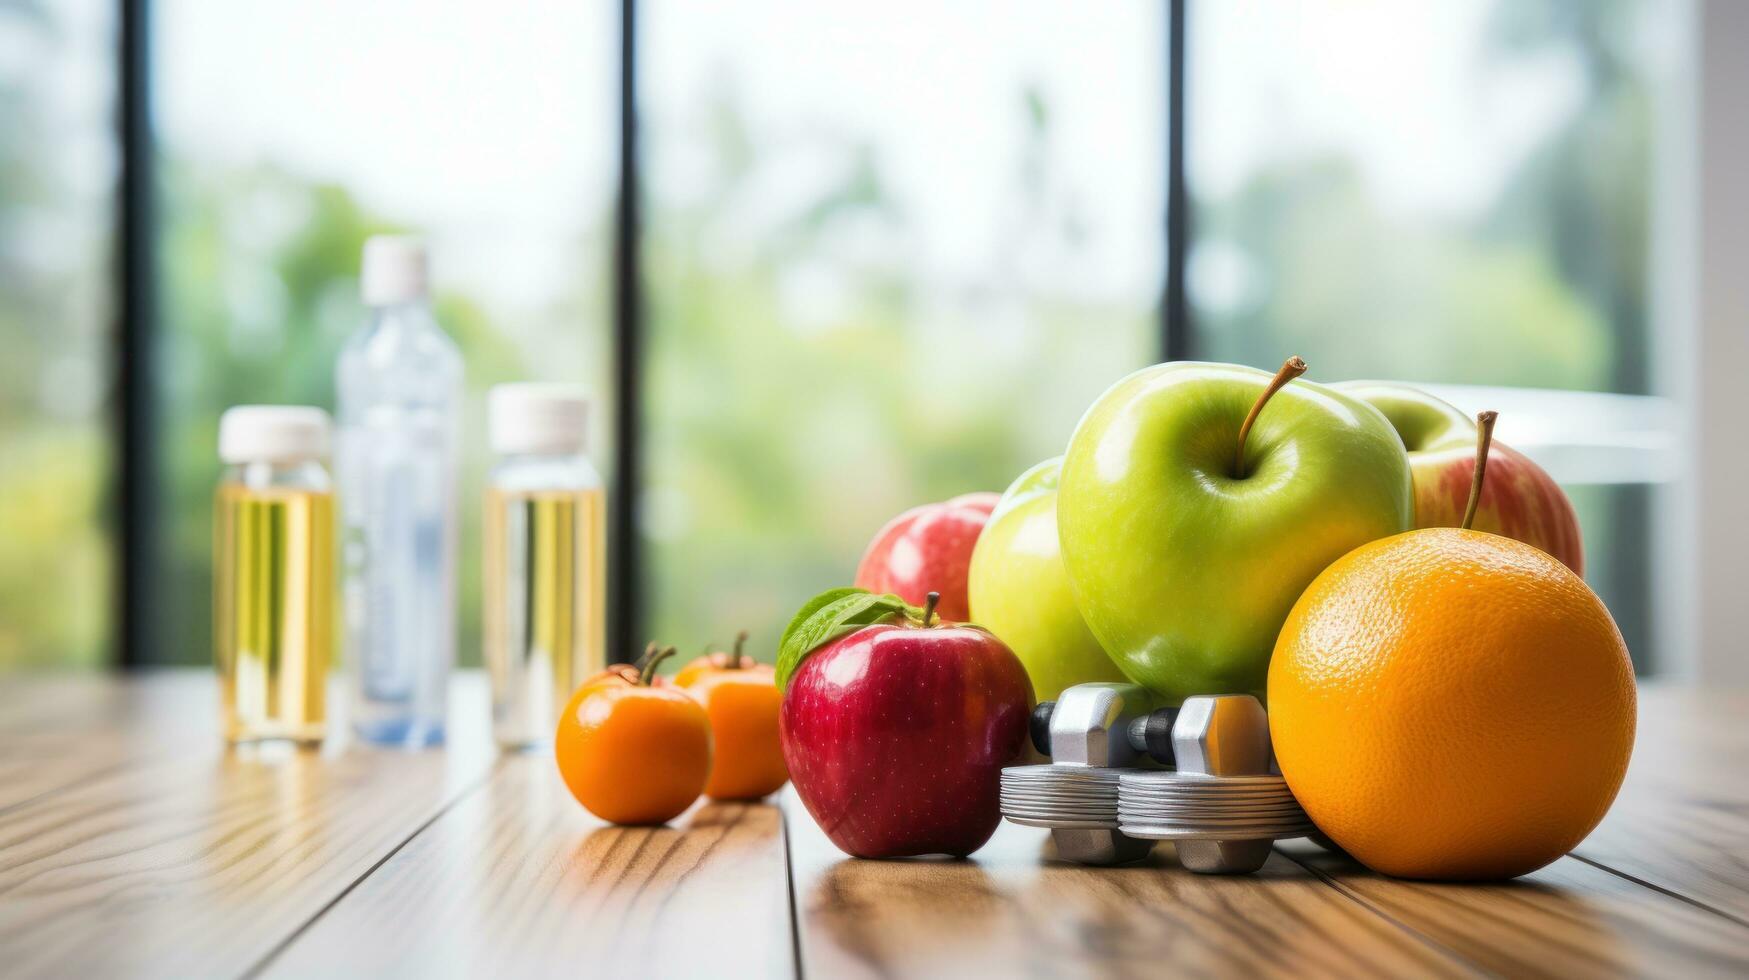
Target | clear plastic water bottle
(400,390)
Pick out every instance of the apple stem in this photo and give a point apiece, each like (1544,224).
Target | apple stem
(929,603)
(735,656)
(648,672)
(1291,368)
(1484,439)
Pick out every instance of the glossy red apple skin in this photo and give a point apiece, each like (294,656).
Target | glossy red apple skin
(928,549)
(896,736)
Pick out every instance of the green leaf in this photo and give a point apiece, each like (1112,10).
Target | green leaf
(813,606)
(828,616)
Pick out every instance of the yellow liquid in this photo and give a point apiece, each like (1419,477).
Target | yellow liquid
(273,610)
(545,603)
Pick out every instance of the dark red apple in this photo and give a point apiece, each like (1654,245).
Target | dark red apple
(928,549)
(896,732)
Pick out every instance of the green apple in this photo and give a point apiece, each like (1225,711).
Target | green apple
(1020,592)
(1197,501)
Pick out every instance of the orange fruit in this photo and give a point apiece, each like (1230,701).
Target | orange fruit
(715,660)
(743,703)
(1452,704)
(632,753)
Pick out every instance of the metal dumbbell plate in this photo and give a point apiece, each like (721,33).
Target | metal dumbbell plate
(1191,782)
(1198,831)
(1187,815)
(1051,823)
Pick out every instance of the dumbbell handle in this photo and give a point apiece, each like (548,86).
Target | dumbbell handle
(1039,726)
(1150,734)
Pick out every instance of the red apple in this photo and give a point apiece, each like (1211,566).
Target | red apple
(928,549)
(1519,499)
(896,727)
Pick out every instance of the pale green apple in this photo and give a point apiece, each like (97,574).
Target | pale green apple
(1184,562)
(1020,592)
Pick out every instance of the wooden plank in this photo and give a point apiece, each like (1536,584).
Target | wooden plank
(131,844)
(62,730)
(158,704)
(1681,822)
(27,775)
(1010,911)
(33,702)
(517,880)
(1568,920)
(199,861)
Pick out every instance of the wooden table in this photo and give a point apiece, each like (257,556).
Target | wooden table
(132,843)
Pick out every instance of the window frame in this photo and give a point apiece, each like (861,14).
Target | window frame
(135,475)
(138,482)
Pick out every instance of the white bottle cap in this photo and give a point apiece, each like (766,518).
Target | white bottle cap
(272,434)
(394,270)
(536,418)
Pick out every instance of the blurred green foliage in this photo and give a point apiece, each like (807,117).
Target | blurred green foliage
(54,550)
(1545,286)
(805,385)
(1363,295)
(55,553)
(802,391)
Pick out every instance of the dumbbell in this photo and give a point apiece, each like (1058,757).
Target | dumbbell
(1224,735)
(1118,727)
(1146,735)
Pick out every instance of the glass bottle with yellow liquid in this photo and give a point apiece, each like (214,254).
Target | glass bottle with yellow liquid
(545,594)
(273,573)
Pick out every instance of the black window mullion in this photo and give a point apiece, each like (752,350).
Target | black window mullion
(1175,326)
(134,476)
(625,571)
